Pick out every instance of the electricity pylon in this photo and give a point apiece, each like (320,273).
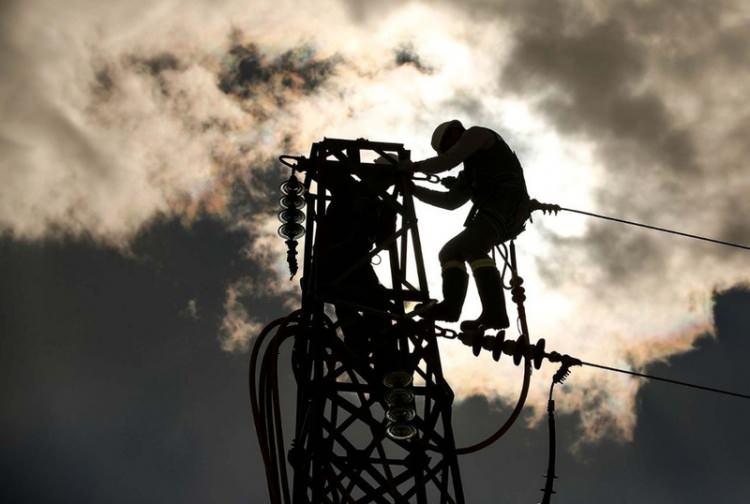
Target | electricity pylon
(373,411)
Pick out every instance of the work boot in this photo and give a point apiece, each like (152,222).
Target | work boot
(455,283)
(491,294)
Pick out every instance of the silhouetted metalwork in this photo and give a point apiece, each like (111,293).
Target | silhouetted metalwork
(373,409)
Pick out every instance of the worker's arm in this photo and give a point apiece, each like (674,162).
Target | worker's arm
(450,200)
(473,139)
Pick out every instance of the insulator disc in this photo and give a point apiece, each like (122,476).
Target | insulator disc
(497,347)
(518,353)
(539,353)
(292,201)
(401,414)
(476,344)
(396,379)
(291,215)
(292,186)
(399,397)
(401,431)
(291,230)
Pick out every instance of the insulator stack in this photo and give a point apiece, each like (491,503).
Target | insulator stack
(498,345)
(400,402)
(291,217)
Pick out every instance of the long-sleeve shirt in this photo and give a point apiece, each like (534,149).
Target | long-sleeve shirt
(456,196)
(492,177)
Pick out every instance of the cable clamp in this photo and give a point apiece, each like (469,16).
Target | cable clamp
(544,207)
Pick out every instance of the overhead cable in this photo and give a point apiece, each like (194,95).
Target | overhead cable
(656,228)
(668,380)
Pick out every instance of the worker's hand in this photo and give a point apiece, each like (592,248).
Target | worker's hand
(544,207)
(449,182)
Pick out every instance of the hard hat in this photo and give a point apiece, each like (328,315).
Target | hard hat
(441,130)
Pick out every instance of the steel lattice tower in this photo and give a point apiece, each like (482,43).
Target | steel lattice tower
(341,451)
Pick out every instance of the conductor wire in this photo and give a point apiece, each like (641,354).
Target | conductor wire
(668,380)
(656,228)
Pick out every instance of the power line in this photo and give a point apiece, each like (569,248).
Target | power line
(655,228)
(668,380)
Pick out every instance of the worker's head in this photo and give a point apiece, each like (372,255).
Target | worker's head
(446,135)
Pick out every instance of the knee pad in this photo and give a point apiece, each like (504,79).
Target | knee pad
(453,265)
(484,262)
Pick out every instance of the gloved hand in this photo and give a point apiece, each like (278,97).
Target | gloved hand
(449,182)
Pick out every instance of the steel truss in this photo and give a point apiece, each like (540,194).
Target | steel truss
(341,452)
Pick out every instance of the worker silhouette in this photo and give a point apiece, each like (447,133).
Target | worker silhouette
(492,178)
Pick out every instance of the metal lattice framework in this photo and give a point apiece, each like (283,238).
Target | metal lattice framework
(341,452)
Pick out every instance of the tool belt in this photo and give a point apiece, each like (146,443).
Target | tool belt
(507,225)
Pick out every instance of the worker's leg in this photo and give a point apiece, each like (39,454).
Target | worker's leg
(474,242)
(472,245)
(489,282)
(455,282)
(491,294)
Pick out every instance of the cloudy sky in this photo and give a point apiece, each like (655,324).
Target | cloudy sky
(139,256)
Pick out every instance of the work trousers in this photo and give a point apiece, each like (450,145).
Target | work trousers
(476,240)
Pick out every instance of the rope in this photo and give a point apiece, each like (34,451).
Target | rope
(655,228)
(668,380)
(506,265)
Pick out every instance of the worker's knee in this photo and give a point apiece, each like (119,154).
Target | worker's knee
(450,252)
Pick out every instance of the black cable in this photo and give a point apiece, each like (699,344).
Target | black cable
(550,477)
(668,380)
(655,228)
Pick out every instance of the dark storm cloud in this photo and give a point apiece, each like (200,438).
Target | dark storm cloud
(592,76)
(156,66)
(361,10)
(152,66)
(110,391)
(406,54)
(620,255)
(736,228)
(103,82)
(248,72)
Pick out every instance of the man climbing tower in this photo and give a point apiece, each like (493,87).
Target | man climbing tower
(492,178)
(355,220)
